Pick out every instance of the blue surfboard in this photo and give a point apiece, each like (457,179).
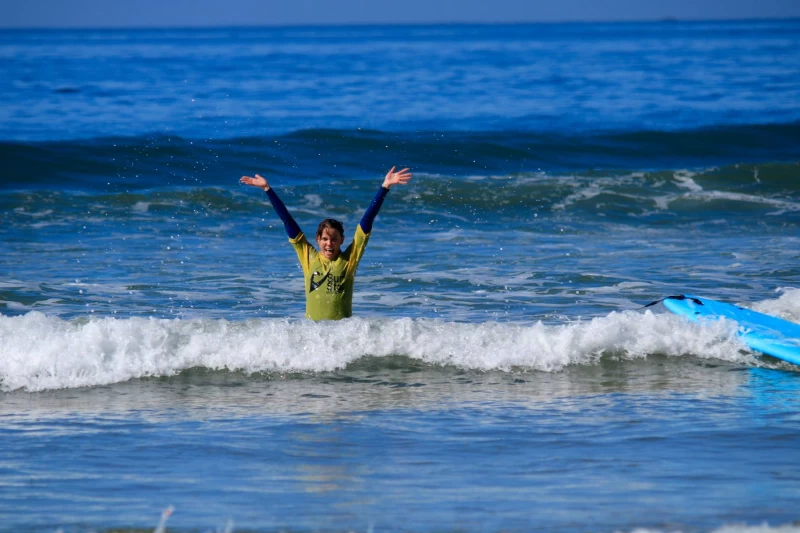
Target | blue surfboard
(762,333)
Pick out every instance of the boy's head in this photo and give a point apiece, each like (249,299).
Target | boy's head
(330,237)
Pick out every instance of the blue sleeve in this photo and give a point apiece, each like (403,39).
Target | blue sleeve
(372,210)
(292,229)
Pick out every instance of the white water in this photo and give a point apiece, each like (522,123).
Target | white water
(39,352)
(739,528)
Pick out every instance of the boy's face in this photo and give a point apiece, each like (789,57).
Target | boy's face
(330,243)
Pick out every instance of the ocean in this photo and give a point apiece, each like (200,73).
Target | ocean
(500,373)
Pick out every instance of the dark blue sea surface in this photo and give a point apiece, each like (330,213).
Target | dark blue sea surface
(228,83)
(499,374)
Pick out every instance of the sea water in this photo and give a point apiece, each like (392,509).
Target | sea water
(499,374)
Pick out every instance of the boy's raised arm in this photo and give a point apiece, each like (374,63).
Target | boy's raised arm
(392,178)
(292,229)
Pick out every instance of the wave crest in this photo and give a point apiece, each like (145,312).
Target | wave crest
(41,352)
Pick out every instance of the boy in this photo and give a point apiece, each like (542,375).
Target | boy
(330,272)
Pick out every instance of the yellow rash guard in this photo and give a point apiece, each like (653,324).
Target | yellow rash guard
(329,284)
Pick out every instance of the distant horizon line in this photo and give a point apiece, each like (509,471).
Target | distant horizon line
(659,20)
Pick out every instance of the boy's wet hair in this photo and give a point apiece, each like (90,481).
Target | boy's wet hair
(330,223)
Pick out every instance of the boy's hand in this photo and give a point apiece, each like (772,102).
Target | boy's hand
(258,181)
(393,178)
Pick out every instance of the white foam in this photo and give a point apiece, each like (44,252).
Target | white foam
(761,528)
(783,206)
(737,528)
(36,214)
(38,352)
(587,193)
(313,201)
(684,179)
(787,306)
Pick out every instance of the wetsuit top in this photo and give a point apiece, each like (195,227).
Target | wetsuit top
(328,284)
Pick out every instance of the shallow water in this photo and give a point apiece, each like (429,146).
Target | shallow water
(392,444)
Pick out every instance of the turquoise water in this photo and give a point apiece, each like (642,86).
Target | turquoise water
(499,373)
